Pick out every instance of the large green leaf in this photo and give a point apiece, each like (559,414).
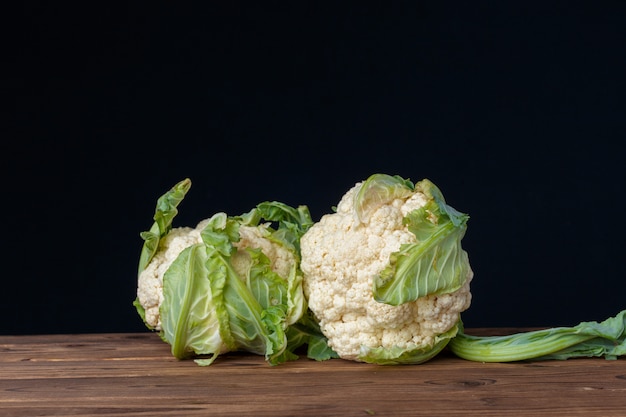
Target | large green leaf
(436,263)
(193,312)
(166,210)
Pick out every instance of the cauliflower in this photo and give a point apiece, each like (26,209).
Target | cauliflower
(370,270)
(230,283)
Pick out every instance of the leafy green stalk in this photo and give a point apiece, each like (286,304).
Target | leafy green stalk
(587,339)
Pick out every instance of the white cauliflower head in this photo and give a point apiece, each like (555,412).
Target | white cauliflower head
(344,252)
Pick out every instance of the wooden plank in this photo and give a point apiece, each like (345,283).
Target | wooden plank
(135,374)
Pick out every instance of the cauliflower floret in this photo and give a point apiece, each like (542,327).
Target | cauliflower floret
(150,281)
(282,260)
(340,258)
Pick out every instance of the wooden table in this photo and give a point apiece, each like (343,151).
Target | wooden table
(135,374)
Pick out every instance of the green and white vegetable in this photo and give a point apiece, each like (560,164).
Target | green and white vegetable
(385,275)
(233,283)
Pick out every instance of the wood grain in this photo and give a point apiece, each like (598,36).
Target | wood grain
(135,374)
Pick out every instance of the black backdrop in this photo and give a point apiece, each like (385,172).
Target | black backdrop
(516,110)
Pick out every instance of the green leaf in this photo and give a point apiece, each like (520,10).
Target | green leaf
(587,339)
(306,332)
(219,233)
(142,312)
(291,222)
(246,317)
(267,287)
(193,312)
(378,190)
(436,263)
(166,210)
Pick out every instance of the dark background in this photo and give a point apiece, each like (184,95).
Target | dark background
(516,110)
